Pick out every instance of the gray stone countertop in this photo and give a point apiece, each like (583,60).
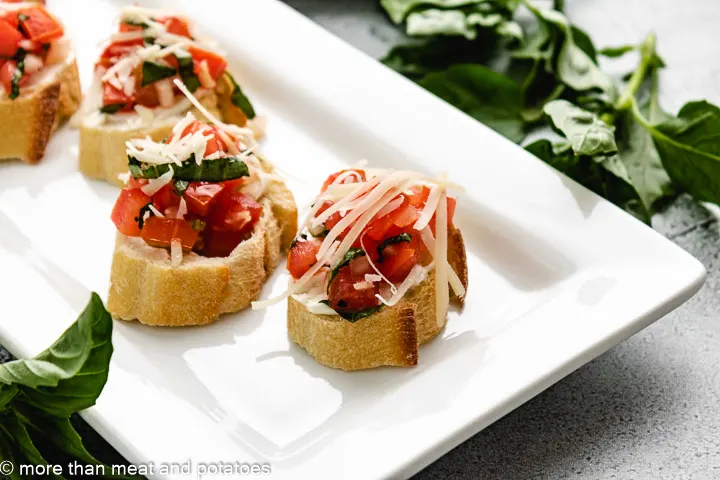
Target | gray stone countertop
(650,407)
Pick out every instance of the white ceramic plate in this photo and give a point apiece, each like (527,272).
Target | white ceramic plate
(557,275)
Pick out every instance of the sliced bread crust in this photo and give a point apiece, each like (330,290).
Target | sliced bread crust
(144,285)
(389,337)
(30,119)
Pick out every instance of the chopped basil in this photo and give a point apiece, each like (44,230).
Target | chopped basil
(350,255)
(295,240)
(18,74)
(353,317)
(180,187)
(228,168)
(112,108)
(135,23)
(185,68)
(140,219)
(152,72)
(197,224)
(403,237)
(238,98)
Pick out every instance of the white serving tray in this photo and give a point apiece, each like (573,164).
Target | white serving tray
(557,275)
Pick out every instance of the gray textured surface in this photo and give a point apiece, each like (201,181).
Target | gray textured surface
(650,407)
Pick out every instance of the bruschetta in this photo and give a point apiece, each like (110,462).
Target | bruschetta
(133,94)
(373,269)
(39,84)
(201,222)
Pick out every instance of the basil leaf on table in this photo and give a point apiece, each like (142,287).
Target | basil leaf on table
(218,170)
(463,22)
(689,146)
(490,97)
(587,134)
(398,10)
(16,429)
(9,452)
(603,174)
(152,72)
(615,52)
(7,394)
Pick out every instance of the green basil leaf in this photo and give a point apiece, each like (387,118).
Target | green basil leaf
(112,108)
(403,237)
(488,96)
(16,429)
(350,255)
(604,175)
(180,187)
(360,314)
(9,452)
(152,72)
(218,170)
(615,52)
(238,98)
(185,69)
(135,23)
(689,146)
(18,74)
(588,134)
(70,375)
(464,22)
(7,394)
(398,10)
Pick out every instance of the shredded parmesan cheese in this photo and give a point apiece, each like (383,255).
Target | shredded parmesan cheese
(155,184)
(176,254)
(429,209)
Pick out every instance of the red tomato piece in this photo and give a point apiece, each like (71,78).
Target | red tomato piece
(348,179)
(11,18)
(302,256)
(201,195)
(116,51)
(216,64)
(39,25)
(127,209)
(219,243)
(166,198)
(235,184)
(114,96)
(451,202)
(176,26)
(161,231)
(9,39)
(146,96)
(136,182)
(343,297)
(127,27)
(419,196)
(234,212)
(397,261)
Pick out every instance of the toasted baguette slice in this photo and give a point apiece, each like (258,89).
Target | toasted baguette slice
(389,337)
(29,120)
(145,286)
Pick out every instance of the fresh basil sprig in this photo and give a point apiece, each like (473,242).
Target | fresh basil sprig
(38,395)
(152,72)
(218,170)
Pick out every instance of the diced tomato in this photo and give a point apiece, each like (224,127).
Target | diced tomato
(234,211)
(397,261)
(175,26)
(40,26)
(219,243)
(201,195)
(166,198)
(114,96)
(348,179)
(302,256)
(127,210)
(136,182)
(7,71)
(127,27)
(11,18)
(9,39)
(359,266)
(160,231)
(146,96)
(450,214)
(343,297)
(117,50)
(391,224)
(419,196)
(216,64)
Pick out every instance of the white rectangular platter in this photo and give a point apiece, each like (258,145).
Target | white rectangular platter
(557,275)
